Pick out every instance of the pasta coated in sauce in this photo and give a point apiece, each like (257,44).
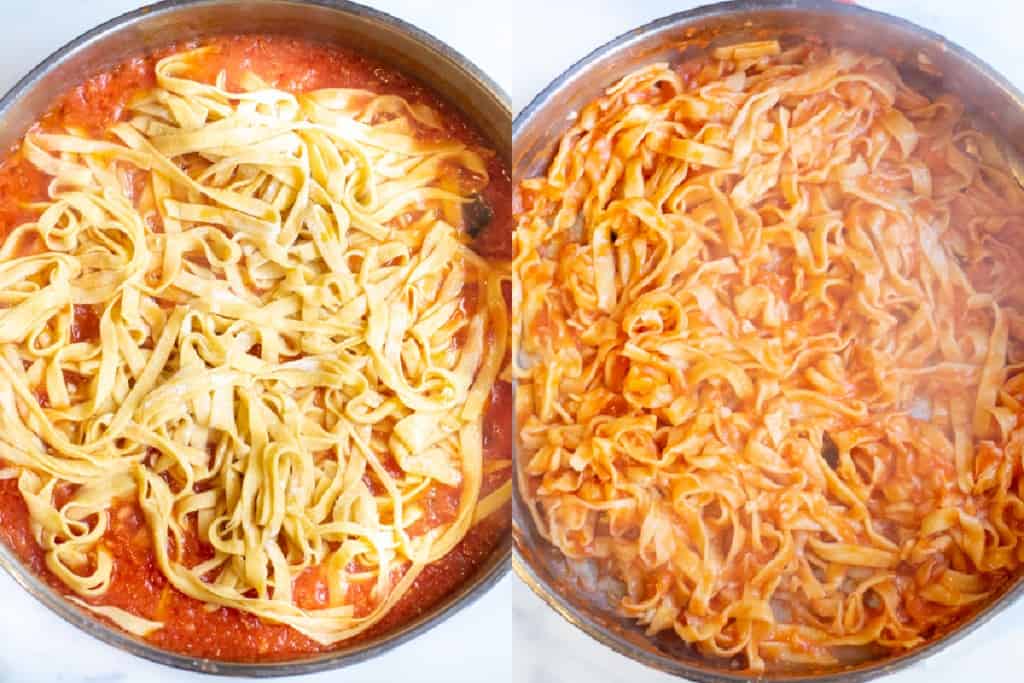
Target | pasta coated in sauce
(768,321)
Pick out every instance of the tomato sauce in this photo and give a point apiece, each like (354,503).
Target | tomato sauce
(138,585)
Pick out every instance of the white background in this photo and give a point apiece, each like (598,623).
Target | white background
(508,636)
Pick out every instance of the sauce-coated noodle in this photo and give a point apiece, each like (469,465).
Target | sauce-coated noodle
(768,309)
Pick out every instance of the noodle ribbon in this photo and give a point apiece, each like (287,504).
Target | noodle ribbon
(768,333)
(294,351)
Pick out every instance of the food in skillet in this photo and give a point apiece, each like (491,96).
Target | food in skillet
(251,357)
(768,339)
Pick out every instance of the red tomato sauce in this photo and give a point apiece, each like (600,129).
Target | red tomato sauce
(138,584)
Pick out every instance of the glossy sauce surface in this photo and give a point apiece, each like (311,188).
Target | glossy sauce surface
(138,585)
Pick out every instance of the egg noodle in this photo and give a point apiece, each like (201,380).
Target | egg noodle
(288,365)
(768,323)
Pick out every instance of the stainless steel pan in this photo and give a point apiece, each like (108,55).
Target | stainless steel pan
(401,45)
(926,59)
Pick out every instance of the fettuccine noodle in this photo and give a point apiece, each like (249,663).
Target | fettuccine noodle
(768,327)
(296,346)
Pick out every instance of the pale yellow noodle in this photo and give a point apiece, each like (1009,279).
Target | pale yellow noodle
(278,305)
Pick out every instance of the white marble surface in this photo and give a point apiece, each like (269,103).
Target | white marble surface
(508,636)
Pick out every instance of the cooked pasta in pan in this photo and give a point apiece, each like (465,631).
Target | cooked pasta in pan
(769,324)
(251,354)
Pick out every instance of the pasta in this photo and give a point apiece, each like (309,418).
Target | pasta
(768,343)
(295,348)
